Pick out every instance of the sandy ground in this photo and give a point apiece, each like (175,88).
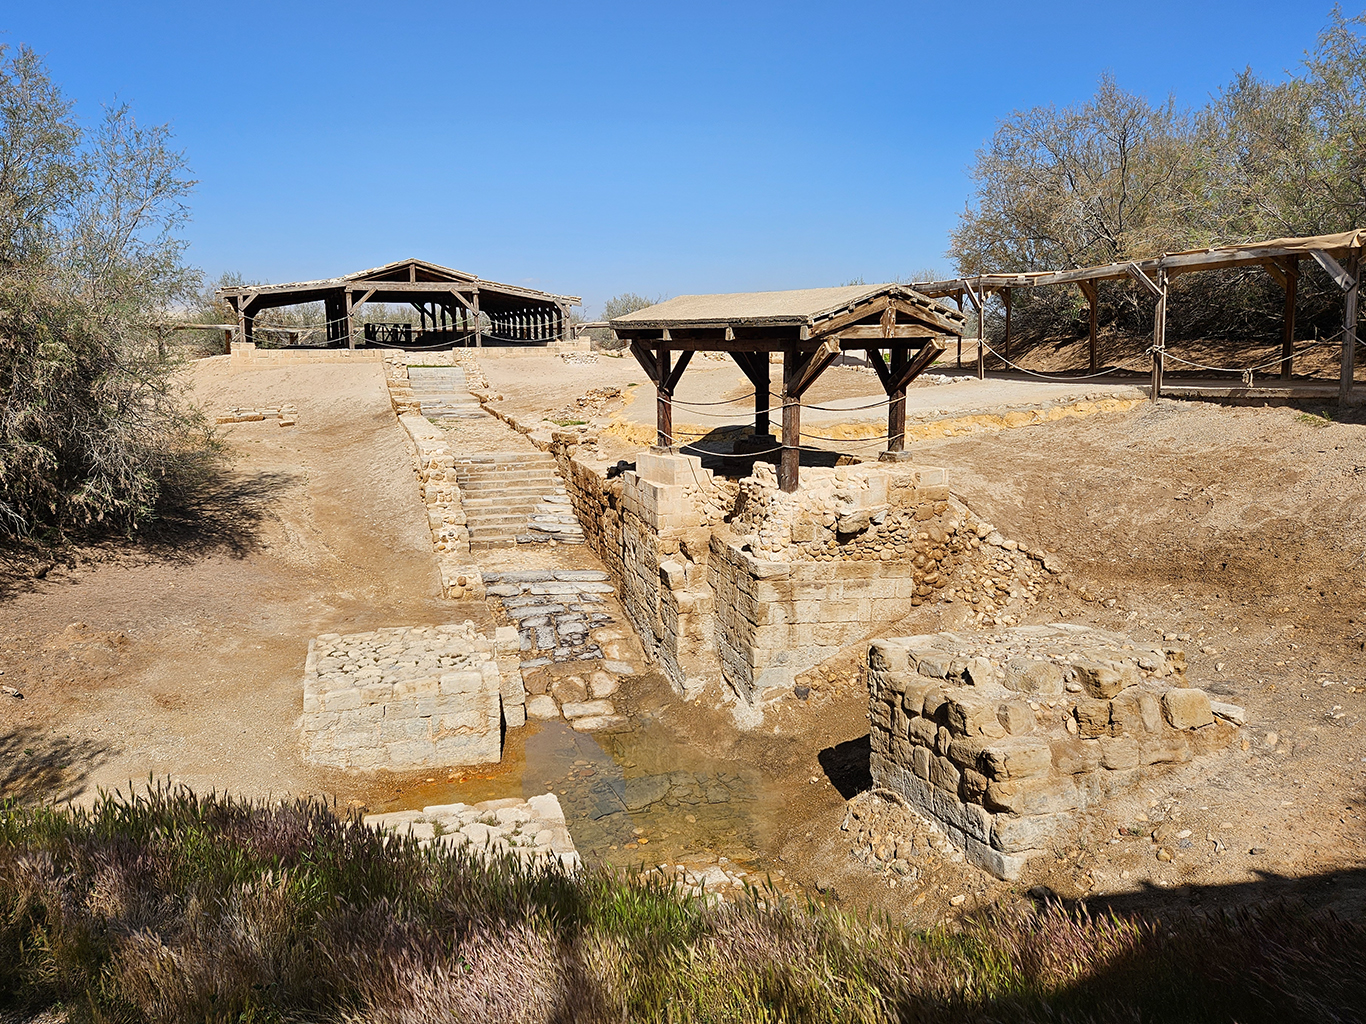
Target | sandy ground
(1238,527)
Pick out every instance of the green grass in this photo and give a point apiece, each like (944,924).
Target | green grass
(173,907)
(1323,418)
(569,423)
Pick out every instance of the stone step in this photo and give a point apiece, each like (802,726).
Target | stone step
(530,491)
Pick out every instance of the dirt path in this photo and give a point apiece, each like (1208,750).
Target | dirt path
(185,660)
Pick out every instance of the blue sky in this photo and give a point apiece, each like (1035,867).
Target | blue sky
(592,149)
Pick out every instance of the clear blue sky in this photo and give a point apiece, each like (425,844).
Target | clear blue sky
(592,149)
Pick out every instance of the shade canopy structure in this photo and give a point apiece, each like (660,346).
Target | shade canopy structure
(1338,254)
(455,307)
(900,329)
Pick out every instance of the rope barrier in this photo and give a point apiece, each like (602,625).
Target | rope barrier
(1061,380)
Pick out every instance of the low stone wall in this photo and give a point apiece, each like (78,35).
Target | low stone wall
(416,697)
(434,464)
(1005,738)
(286,414)
(247,356)
(533,830)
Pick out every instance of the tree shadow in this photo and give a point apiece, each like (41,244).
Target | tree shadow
(39,767)
(847,766)
(222,513)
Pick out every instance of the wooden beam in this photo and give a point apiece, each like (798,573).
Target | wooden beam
(813,366)
(677,371)
(865,332)
(1290,280)
(896,405)
(789,462)
(1342,277)
(1349,329)
(976,299)
(1159,333)
(664,407)
(1092,292)
(879,366)
(646,358)
(1145,280)
(350,325)
(755,367)
(1005,344)
(918,364)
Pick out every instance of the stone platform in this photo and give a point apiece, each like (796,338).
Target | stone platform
(1006,738)
(407,697)
(532,830)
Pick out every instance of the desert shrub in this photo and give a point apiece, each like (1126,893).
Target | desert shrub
(92,430)
(172,907)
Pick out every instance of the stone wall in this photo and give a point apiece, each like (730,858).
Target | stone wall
(737,580)
(434,464)
(416,697)
(247,356)
(1004,738)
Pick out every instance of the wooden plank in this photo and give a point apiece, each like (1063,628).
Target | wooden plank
(1092,292)
(1005,344)
(1349,330)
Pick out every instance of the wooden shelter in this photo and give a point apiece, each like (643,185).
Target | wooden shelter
(455,306)
(810,328)
(1339,255)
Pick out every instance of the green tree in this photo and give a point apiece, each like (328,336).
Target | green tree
(93,432)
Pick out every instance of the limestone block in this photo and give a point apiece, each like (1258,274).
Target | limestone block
(1102,681)
(514,715)
(922,731)
(1231,712)
(972,716)
(455,683)
(944,774)
(920,762)
(966,751)
(1029,675)
(1017,719)
(582,709)
(1165,747)
(1032,796)
(1135,712)
(542,707)
(1013,833)
(1093,717)
(1119,753)
(1186,708)
(1209,738)
(1006,866)
(1017,757)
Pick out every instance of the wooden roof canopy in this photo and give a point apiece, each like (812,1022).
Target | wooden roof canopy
(810,327)
(1338,254)
(451,299)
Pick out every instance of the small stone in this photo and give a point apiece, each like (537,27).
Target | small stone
(1165,855)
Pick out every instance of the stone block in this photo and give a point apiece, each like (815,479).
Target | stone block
(1093,717)
(1013,833)
(1030,675)
(1165,747)
(457,683)
(1230,712)
(412,752)
(888,656)
(1006,866)
(1211,738)
(966,751)
(1119,753)
(972,716)
(1186,708)
(514,716)
(922,731)
(1017,719)
(1017,758)
(921,758)
(969,819)
(1032,796)
(1102,681)
(1073,756)
(341,700)
(944,774)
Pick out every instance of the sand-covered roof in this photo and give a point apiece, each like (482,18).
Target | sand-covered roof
(802,306)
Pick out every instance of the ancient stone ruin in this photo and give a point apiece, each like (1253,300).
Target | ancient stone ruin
(1005,738)
(416,697)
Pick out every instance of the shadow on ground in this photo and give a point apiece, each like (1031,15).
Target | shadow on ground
(846,765)
(39,767)
(223,514)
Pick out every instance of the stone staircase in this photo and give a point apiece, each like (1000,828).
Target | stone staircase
(441,393)
(515,498)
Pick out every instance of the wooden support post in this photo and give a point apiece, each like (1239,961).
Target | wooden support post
(978,299)
(1091,290)
(1291,270)
(1005,342)
(896,407)
(755,367)
(243,325)
(350,335)
(959,299)
(478,324)
(227,343)
(790,461)
(664,408)
(1349,329)
(1159,334)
